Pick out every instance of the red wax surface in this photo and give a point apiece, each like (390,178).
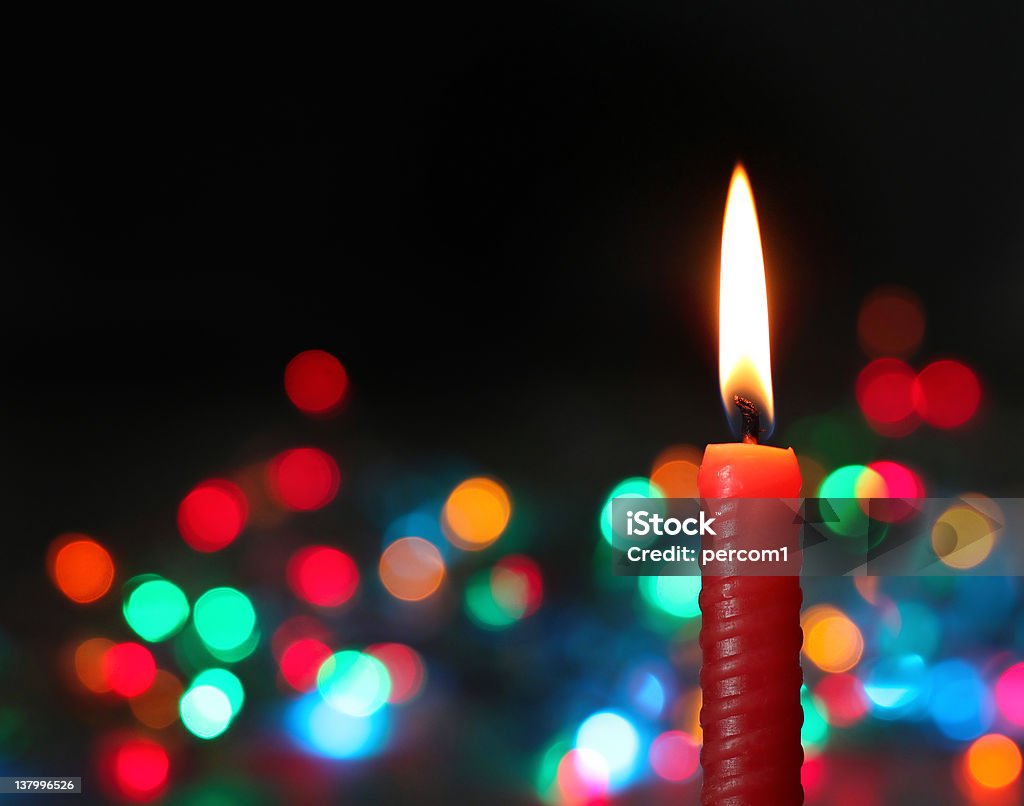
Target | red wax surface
(750,636)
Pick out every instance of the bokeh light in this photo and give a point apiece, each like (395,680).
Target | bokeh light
(315,382)
(300,662)
(330,733)
(129,669)
(963,537)
(411,569)
(612,737)
(225,619)
(157,706)
(582,777)
(1010,694)
(847,490)
(303,479)
(959,701)
(833,643)
(674,595)
(476,513)
(323,576)
(946,394)
(886,398)
(508,592)
(674,756)
(635,487)
(897,482)
(897,687)
(891,322)
(81,568)
(227,682)
(89,665)
(405,670)
(206,711)
(814,732)
(675,472)
(994,761)
(212,515)
(138,768)
(844,699)
(354,683)
(154,608)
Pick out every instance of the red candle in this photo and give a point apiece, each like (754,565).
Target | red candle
(750,633)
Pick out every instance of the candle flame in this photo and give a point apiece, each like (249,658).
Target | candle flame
(744,352)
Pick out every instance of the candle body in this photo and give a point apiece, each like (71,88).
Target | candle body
(750,638)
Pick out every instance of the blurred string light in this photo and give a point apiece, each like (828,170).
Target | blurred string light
(946,394)
(154,607)
(675,471)
(891,322)
(301,660)
(499,597)
(354,682)
(814,732)
(81,568)
(206,711)
(303,479)
(134,768)
(832,641)
(674,595)
(212,515)
(405,668)
(157,706)
(89,665)
(322,575)
(613,738)
(846,490)
(476,513)
(897,687)
(959,702)
(635,487)
(225,620)
(411,569)
(425,522)
(885,395)
(993,761)
(129,669)
(674,756)
(325,731)
(582,777)
(1009,692)
(963,536)
(315,382)
(649,688)
(844,699)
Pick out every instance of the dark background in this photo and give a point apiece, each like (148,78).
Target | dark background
(505,225)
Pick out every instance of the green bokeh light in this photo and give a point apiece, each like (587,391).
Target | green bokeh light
(225,620)
(840,488)
(675,595)
(481,605)
(206,711)
(635,487)
(154,608)
(814,732)
(226,682)
(354,683)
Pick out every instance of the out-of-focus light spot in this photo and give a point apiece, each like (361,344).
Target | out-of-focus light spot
(834,643)
(675,472)
(615,740)
(354,683)
(960,702)
(157,706)
(814,732)
(547,771)
(675,595)
(909,628)
(1010,694)
(227,682)
(476,513)
(636,487)
(962,536)
(844,699)
(885,395)
(891,322)
(154,608)
(206,711)
(129,669)
(140,768)
(583,777)
(686,714)
(295,629)
(674,756)
(301,661)
(330,733)
(647,689)
(405,670)
(516,585)
(481,606)
(868,588)
(224,619)
(897,686)
(946,394)
(81,568)
(212,515)
(89,665)
(303,479)
(994,761)
(315,382)
(846,489)
(411,569)
(323,576)
(899,483)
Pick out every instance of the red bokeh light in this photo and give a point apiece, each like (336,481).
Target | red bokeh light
(301,661)
(212,515)
(140,768)
(405,668)
(946,394)
(526,573)
(903,486)
(885,395)
(323,576)
(303,479)
(129,669)
(295,629)
(315,382)
(674,755)
(812,776)
(844,699)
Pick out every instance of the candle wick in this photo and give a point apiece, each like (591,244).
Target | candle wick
(751,418)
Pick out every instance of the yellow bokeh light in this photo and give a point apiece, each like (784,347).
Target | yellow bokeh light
(994,761)
(834,643)
(411,569)
(962,537)
(476,513)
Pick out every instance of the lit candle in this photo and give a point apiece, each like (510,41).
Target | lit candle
(750,634)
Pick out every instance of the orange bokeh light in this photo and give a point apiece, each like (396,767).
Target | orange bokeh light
(994,761)
(157,706)
(89,664)
(81,568)
(675,472)
(411,569)
(476,513)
